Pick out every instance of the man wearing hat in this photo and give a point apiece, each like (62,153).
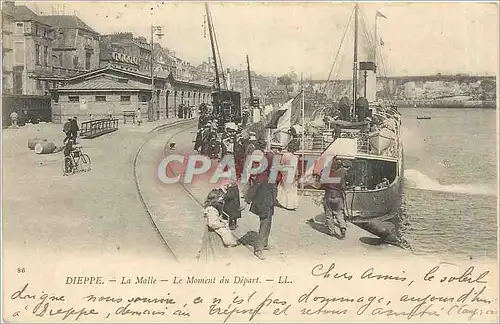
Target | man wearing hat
(251,146)
(73,128)
(333,200)
(67,130)
(262,196)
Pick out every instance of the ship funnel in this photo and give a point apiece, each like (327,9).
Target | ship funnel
(368,81)
(228,74)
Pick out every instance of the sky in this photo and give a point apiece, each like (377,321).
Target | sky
(419,38)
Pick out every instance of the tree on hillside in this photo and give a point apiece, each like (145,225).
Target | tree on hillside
(285,80)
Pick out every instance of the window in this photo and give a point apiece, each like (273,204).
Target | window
(88,56)
(74,98)
(100,98)
(125,98)
(143,98)
(47,85)
(37,54)
(60,60)
(46,56)
(19,28)
(39,84)
(17,79)
(19,53)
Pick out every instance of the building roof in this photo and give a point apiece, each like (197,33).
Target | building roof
(67,22)
(162,76)
(171,79)
(103,82)
(22,13)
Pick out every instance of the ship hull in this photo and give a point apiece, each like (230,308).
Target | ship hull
(379,211)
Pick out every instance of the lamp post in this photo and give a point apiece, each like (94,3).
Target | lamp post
(155,30)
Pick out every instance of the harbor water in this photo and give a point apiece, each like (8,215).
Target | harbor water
(450,194)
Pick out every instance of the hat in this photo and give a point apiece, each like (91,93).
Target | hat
(252,138)
(231,126)
(346,163)
(215,195)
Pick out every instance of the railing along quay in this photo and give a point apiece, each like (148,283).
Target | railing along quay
(95,128)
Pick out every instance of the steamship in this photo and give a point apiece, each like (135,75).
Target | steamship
(367,133)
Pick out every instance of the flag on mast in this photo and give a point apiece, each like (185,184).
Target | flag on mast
(379,14)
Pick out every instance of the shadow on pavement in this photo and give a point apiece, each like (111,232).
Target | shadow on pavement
(371,240)
(284,208)
(318,224)
(248,239)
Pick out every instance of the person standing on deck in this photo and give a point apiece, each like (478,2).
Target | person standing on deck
(333,200)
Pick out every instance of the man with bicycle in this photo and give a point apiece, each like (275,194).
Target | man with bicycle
(69,147)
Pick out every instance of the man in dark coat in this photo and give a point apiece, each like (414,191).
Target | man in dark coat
(232,206)
(74,128)
(67,130)
(262,195)
(333,200)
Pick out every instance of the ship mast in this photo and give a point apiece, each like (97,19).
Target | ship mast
(355,64)
(210,30)
(250,82)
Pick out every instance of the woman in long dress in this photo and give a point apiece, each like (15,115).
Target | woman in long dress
(213,214)
(287,190)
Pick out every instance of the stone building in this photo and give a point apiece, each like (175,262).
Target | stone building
(164,59)
(7,51)
(144,54)
(76,47)
(100,95)
(111,90)
(119,50)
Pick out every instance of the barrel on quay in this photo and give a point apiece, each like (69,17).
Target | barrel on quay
(44,147)
(33,141)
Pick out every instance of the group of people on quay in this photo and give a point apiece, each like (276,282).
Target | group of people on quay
(223,206)
(185,111)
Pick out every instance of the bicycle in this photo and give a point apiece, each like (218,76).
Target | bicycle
(77,161)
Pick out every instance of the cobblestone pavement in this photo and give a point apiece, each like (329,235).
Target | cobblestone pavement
(96,212)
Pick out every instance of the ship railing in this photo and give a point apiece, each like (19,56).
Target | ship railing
(323,137)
